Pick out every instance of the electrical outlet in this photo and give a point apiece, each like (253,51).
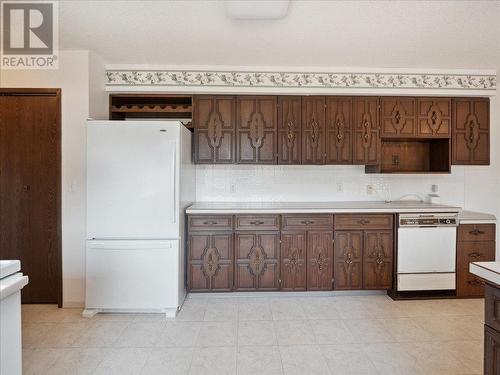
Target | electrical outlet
(340,186)
(232,189)
(369,189)
(434,188)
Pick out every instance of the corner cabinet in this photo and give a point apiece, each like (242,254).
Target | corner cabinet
(256,130)
(214,120)
(471,131)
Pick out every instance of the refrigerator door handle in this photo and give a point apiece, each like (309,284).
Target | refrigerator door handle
(174,219)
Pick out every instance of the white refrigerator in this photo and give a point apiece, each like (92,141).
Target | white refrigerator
(140,179)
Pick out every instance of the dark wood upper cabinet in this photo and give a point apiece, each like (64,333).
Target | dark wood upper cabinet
(211,262)
(289,130)
(313,130)
(348,257)
(338,130)
(293,261)
(214,129)
(366,143)
(256,261)
(434,117)
(256,129)
(471,131)
(398,117)
(319,260)
(378,260)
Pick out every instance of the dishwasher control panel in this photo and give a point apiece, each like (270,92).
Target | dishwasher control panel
(428,220)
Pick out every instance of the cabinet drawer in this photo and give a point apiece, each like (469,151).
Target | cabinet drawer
(492,307)
(343,222)
(476,232)
(476,251)
(210,223)
(257,222)
(305,222)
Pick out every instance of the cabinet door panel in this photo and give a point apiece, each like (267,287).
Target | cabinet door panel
(491,351)
(471,131)
(256,129)
(289,130)
(256,260)
(434,117)
(366,141)
(398,117)
(211,262)
(293,260)
(378,260)
(319,260)
(348,260)
(338,130)
(313,130)
(214,129)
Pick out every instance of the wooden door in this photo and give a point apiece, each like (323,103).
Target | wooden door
(256,261)
(211,262)
(366,143)
(214,129)
(293,261)
(398,117)
(30,180)
(319,260)
(289,129)
(313,130)
(338,130)
(471,131)
(256,129)
(348,267)
(434,117)
(491,351)
(378,260)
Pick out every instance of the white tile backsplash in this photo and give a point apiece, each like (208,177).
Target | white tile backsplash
(261,183)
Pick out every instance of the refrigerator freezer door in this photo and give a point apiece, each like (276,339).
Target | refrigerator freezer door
(132,275)
(132,179)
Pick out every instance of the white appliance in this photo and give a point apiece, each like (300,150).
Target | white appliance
(11,283)
(426,255)
(140,178)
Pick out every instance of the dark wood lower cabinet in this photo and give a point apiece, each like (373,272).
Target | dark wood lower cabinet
(319,260)
(211,262)
(491,351)
(348,260)
(293,261)
(256,261)
(377,260)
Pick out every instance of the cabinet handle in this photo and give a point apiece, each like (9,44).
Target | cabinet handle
(475,255)
(256,222)
(307,222)
(209,222)
(476,232)
(363,221)
(475,282)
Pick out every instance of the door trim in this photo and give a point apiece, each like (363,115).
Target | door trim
(57,93)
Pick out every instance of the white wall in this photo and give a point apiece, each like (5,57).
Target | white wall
(73,79)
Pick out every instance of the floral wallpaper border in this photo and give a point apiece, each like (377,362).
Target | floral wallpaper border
(174,78)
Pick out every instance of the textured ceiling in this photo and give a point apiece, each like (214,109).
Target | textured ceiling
(435,34)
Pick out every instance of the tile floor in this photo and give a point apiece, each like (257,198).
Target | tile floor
(262,336)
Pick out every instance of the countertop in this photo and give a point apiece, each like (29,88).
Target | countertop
(489,271)
(317,207)
(473,217)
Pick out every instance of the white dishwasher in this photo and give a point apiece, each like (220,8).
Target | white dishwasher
(426,255)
